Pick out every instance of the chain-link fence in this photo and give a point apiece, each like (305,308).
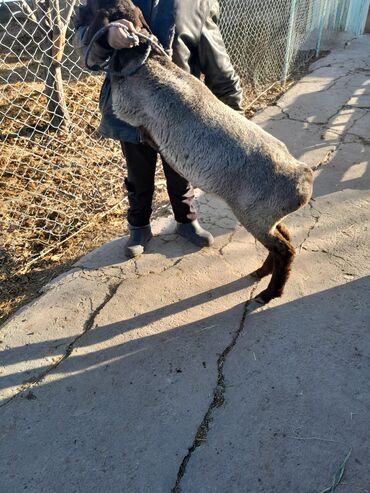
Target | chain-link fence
(267,39)
(56,175)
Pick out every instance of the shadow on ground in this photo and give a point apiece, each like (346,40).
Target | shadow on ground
(131,397)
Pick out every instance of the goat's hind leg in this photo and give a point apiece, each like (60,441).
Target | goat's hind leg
(279,260)
(268,265)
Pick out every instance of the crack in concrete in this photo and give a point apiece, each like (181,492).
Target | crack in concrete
(330,254)
(341,62)
(333,83)
(363,69)
(136,267)
(227,243)
(356,139)
(341,135)
(77,272)
(327,124)
(32,382)
(311,228)
(175,264)
(350,72)
(291,118)
(356,107)
(347,106)
(218,396)
(322,124)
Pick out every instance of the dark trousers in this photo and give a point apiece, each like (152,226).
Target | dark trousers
(141,162)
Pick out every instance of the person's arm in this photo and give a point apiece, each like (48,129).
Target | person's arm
(215,63)
(103,47)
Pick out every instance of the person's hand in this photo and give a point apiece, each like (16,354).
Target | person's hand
(119,38)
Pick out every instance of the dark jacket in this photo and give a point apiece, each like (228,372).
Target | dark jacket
(187,29)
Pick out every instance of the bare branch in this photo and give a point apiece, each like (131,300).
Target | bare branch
(26,9)
(69,14)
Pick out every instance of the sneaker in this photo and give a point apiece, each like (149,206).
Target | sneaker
(195,233)
(139,237)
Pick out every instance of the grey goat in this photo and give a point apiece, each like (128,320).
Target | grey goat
(211,145)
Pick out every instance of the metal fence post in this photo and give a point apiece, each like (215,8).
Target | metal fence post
(289,47)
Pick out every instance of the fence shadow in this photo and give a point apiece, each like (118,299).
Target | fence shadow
(332,176)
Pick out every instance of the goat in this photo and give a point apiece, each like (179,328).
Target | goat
(210,144)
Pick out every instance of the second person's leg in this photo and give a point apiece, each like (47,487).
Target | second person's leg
(141,162)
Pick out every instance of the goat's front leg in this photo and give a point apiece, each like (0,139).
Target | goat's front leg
(281,255)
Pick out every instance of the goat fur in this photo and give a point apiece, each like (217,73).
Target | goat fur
(214,147)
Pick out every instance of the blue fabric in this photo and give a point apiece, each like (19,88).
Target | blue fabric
(160,15)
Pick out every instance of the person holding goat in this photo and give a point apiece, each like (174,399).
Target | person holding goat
(188,31)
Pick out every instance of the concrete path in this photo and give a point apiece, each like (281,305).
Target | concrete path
(159,375)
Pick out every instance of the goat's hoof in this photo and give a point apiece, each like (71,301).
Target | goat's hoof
(259,302)
(254,304)
(267,295)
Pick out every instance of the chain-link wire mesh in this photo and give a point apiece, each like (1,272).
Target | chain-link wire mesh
(56,175)
(267,39)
